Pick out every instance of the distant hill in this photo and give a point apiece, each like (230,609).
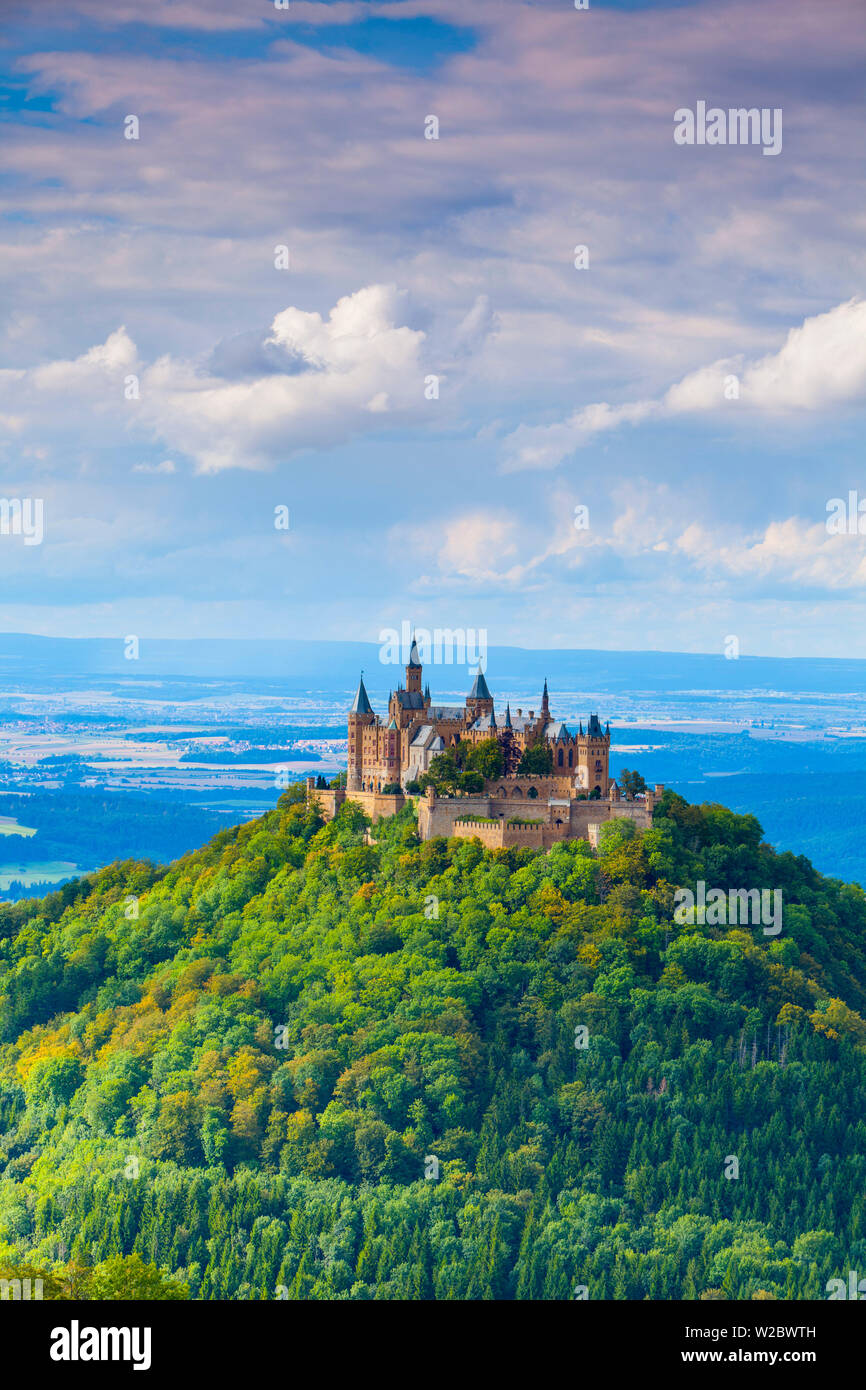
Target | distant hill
(322,664)
(298,1064)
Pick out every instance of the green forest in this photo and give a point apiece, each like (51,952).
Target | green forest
(324,1061)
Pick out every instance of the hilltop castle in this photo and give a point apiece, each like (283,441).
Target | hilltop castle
(383,754)
(386,760)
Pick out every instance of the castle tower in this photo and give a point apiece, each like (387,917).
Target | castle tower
(413,670)
(479,700)
(545,703)
(361,721)
(593,758)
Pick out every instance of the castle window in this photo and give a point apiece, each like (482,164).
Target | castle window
(571,757)
(559,758)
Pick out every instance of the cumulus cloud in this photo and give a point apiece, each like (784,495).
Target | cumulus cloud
(821,365)
(653,545)
(341,376)
(475,546)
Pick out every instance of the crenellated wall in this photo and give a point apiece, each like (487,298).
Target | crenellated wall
(571,820)
(562,817)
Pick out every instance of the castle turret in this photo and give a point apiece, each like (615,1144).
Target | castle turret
(413,670)
(545,702)
(479,700)
(361,721)
(593,757)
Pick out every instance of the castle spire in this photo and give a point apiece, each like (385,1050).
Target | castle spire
(413,670)
(361,703)
(508,716)
(479,689)
(545,704)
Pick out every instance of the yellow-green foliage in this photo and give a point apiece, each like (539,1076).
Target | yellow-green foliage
(244,1079)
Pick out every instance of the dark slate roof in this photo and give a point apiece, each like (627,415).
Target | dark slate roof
(445,712)
(410,699)
(414,658)
(508,716)
(360,704)
(556,730)
(485,723)
(479,690)
(594,729)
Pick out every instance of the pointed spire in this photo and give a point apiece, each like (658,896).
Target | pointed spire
(581,727)
(479,690)
(508,716)
(361,704)
(493,719)
(414,658)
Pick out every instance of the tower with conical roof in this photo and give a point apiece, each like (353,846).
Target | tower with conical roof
(479,701)
(361,725)
(413,670)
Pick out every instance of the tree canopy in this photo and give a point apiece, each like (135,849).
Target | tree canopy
(313,1067)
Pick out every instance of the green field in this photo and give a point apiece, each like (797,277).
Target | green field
(10,826)
(51,871)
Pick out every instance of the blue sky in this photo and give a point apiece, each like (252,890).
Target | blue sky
(410,259)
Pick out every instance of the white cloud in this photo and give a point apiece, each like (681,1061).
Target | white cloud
(327,380)
(339,372)
(820,366)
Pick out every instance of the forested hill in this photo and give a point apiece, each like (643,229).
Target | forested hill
(297,1065)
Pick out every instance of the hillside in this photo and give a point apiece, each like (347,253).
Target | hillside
(240,1068)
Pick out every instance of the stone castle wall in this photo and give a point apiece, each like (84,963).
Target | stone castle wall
(377,805)
(562,817)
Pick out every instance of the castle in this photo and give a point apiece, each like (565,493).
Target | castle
(387,759)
